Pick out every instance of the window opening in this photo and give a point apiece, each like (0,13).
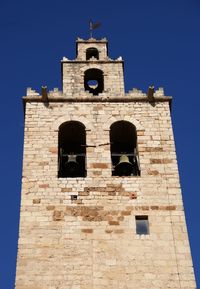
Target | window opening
(142,225)
(73,197)
(93,81)
(72,150)
(92,52)
(124,155)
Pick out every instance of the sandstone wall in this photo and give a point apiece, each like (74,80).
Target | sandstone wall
(91,242)
(73,77)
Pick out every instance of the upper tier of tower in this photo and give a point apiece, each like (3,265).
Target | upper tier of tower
(87,49)
(92,70)
(94,76)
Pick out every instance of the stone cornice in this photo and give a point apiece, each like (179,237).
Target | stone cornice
(96,99)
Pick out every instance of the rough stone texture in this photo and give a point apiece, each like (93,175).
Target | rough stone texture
(91,242)
(73,71)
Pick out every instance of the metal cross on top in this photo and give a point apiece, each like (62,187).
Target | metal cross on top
(93,26)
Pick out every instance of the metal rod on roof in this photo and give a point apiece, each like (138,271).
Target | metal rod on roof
(93,26)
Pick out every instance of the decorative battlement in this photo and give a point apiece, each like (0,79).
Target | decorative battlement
(133,95)
(94,77)
(92,59)
(92,40)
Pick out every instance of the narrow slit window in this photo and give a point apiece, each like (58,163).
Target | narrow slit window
(142,225)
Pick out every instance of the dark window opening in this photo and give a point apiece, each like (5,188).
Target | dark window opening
(93,81)
(124,155)
(142,225)
(73,198)
(92,52)
(72,150)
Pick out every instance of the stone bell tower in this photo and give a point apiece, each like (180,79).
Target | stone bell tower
(101,204)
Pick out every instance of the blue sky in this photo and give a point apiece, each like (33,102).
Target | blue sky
(159,41)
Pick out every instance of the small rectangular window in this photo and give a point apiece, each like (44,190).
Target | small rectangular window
(142,225)
(73,197)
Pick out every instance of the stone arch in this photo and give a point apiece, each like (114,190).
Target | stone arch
(64,118)
(90,66)
(92,52)
(130,119)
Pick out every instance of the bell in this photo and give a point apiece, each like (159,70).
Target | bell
(124,167)
(71,167)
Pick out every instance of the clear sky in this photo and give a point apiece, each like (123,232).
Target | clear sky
(160,43)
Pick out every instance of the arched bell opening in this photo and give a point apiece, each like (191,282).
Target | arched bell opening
(94,81)
(92,52)
(124,155)
(72,150)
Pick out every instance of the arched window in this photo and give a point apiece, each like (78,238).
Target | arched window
(124,155)
(92,52)
(72,150)
(93,81)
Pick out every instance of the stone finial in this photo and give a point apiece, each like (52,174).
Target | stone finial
(65,59)
(31,92)
(159,92)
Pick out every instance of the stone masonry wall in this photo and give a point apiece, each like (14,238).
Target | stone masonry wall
(73,77)
(101,46)
(91,242)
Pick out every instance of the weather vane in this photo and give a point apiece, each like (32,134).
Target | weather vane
(93,26)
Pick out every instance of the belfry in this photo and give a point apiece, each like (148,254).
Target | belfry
(101,203)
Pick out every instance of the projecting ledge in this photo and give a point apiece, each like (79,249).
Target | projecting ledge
(96,99)
(135,95)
